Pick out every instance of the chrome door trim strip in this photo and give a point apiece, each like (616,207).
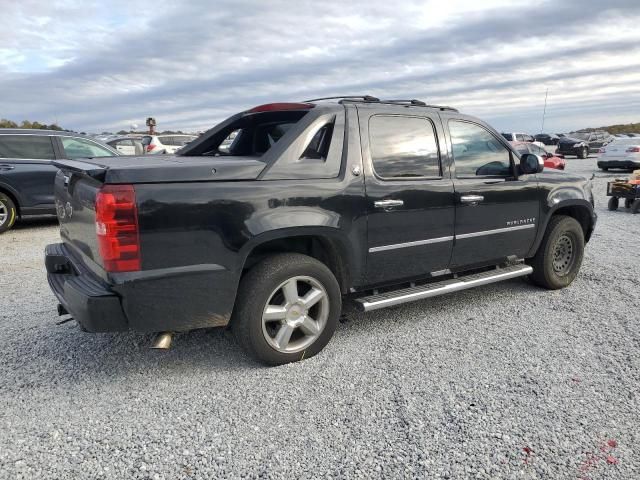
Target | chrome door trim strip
(497,230)
(428,241)
(382,248)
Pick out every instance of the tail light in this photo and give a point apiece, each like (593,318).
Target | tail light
(117,228)
(150,147)
(633,150)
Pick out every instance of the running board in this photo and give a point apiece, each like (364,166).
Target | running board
(396,297)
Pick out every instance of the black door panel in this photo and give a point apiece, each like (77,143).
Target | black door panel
(410,220)
(502,224)
(496,211)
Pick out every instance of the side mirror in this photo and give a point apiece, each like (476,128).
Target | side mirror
(530,163)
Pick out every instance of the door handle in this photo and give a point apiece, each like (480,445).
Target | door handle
(471,199)
(388,203)
(7,167)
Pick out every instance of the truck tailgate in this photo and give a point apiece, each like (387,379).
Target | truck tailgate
(75,194)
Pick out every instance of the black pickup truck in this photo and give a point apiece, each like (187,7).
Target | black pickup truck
(376,202)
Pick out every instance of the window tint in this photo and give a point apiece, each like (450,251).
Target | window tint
(26,146)
(477,152)
(403,147)
(507,136)
(79,147)
(520,137)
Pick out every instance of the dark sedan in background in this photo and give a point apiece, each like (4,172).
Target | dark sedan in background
(547,138)
(27,171)
(581,144)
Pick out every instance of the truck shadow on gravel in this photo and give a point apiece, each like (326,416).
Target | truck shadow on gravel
(67,354)
(34,222)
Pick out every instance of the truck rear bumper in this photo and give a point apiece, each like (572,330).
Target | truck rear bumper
(178,299)
(88,301)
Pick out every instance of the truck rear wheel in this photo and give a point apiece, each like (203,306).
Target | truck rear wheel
(558,260)
(613,203)
(287,309)
(8,213)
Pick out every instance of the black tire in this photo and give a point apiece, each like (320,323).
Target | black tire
(635,206)
(613,204)
(583,153)
(550,270)
(8,213)
(628,202)
(257,289)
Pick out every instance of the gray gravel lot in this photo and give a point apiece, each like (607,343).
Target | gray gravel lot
(505,381)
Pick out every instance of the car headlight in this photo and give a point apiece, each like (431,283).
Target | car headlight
(576,145)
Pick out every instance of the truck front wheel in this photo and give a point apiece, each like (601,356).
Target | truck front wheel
(287,309)
(558,260)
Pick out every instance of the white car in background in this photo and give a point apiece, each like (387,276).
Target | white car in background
(127,145)
(169,143)
(521,137)
(622,153)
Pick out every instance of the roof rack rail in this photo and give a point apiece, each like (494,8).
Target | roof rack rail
(370,99)
(366,98)
(418,103)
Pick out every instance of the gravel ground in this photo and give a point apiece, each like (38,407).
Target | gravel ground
(505,381)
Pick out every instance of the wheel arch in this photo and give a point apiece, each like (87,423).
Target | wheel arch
(580,210)
(12,194)
(324,244)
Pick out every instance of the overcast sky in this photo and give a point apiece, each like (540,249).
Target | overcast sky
(190,64)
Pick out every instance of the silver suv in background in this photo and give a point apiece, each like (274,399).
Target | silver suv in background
(170,143)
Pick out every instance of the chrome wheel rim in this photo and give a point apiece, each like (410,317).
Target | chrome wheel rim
(563,254)
(4,213)
(295,314)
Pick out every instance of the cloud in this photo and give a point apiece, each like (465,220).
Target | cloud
(191,64)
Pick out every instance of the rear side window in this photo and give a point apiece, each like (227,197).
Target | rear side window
(403,147)
(79,148)
(318,147)
(26,146)
(477,152)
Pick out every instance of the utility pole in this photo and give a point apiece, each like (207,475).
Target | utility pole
(544,112)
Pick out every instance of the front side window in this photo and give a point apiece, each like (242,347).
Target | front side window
(79,148)
(477,152)
(26,146)
(403,147)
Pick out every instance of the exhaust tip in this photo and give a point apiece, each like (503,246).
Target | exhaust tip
(162,341)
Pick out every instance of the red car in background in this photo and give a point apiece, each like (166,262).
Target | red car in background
(551,160)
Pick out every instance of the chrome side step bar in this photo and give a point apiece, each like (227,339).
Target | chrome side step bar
(396,297)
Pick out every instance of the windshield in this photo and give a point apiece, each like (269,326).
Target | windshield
(581,136)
